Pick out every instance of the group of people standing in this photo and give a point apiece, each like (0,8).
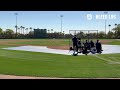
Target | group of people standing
(84,47)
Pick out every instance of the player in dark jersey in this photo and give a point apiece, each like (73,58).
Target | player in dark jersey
(85,48)
(79,45)
(98,47)
(75,43)
(92,47)
(92,44)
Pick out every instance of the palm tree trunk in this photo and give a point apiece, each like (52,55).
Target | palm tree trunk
(23,30)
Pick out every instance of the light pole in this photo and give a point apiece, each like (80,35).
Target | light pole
(105,29)
(61,22)
(16,23)
(105,21)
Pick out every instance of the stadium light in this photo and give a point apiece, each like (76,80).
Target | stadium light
(61,22)
(106,12)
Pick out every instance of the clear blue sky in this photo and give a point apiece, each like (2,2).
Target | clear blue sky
(72,20)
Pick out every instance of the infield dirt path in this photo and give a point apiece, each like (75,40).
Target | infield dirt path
(28,77)
(67,46)
(118,39)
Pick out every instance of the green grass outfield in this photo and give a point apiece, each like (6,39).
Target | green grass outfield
(25,63)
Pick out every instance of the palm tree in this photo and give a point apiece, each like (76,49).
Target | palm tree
(115,24)
(64,34)
(30,28)
(48,31)
(16,28)
(21,28)
(115,29)
(26,30)
(109,27)
(51,30)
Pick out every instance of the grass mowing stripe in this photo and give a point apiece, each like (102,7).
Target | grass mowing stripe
(108,60)
(52,65)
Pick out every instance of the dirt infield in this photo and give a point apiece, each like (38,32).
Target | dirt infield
(53,47)
(118,39)
(67,46)
(10,43)
(7,41)
(105,41)
(28,77)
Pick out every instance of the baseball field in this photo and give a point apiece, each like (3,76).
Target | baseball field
(37,64)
